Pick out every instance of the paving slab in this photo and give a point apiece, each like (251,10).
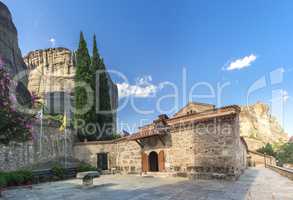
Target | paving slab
(254,184)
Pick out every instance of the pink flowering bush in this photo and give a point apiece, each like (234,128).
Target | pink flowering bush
(14,125)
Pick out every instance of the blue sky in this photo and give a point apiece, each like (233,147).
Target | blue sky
(155,41)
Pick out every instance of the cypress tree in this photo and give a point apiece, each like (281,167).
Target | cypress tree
(105,104)
(82,75)
(95,66)
(102,95)
(96,57)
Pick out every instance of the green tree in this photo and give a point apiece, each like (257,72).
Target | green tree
(92,70)
(285,154)
(268,150)
(95,66)
(103,114)
(82,75)
(104,110)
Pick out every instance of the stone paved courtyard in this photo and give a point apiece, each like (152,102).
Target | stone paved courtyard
(256,184)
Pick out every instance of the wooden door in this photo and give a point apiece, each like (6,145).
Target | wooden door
(145,162)
(102,161)
(161,161)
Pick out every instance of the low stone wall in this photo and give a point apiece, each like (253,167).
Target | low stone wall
(283,171)
(258,159)
(123,155)
(289,166)
(47,146)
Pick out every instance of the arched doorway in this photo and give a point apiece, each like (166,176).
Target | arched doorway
(153,162)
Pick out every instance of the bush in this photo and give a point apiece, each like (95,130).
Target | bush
(15,178)
(86,167)
(58,171)
(267,149)
(285,154)
(3,182)
(27,175)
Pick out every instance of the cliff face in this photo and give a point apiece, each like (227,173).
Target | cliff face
(50,70)
(51,77)
(10,53)
(9,50)
(258,127)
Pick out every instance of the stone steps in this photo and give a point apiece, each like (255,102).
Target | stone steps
(159,174)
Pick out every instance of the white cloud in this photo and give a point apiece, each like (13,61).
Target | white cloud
(241,62)
(144,80)
(53,42)
(143,88)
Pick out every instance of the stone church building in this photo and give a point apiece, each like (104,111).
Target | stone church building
(199,141)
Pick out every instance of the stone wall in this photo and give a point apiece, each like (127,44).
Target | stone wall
(123,155)
(47,146)
(220,153)
(194,107)
(259,159)
(289,166)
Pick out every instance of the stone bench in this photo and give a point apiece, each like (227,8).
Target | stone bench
(87,177)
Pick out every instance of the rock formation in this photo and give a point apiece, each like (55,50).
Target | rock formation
(10,53)
(51,77)
(259,127)
(50,70)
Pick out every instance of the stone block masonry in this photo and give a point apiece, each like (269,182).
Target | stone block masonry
(47,148)
(123,155)
(177,145)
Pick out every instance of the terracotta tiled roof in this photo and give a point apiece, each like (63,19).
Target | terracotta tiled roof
(101,142)
(148,133)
